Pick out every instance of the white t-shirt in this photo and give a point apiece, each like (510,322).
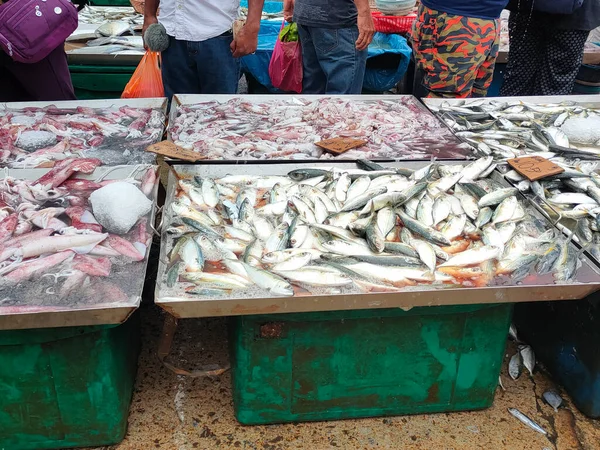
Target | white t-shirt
(197,20)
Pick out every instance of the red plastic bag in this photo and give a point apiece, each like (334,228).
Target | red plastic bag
(285,68)
(146,81)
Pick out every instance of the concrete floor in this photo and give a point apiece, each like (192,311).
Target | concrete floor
(174,412)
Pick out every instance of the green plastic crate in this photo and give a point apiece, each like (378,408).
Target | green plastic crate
(67,387)
(345,364)
(100,82)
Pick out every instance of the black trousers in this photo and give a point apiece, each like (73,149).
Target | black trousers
(542,60)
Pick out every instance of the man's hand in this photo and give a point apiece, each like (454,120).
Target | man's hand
(245,41)
(288,10)
(366,30)
(148,20)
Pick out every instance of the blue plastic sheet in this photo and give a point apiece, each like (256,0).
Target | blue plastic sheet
(376,79)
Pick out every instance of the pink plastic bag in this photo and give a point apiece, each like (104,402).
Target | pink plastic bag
(285,68)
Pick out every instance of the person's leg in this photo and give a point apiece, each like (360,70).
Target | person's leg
(10,88)
(46,80)
(218,71)
(485,72)
(344,66)
(179,69)
(562,58)
(524,56)
(313,77)
(449,50)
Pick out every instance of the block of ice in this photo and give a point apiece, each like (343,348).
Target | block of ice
(118,206)
(34,140)
(582,130)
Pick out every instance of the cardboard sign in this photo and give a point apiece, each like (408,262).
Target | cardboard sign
(535,167)
(340,145)
(168,148)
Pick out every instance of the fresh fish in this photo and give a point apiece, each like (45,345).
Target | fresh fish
(505,210)
(425,211)
(386,220)
(426,253)
(496,197)
(515,366)
(528,358)
(400,248)
(317,276)
(473,256)
(441,210)
(392,260)
(484,216)
(427,232)
(553,399)
(454,227)
(358,187)
(293,263)
(375,238)
(341,187)
(527,421)
(267,280)
(210,193)
(113,29)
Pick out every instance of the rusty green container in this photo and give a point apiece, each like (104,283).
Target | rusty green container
(347,364)
(67,387)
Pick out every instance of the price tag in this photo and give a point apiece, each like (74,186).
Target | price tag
(338,146)
(535,167)
(168,148)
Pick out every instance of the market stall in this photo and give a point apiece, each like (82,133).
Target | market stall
(117,132)
(75,246)
(564,130)
(75,232)
(271,127)
(213,265)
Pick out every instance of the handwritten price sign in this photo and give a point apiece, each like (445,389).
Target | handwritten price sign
(535,167)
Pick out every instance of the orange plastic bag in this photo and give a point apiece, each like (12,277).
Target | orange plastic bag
(146,81)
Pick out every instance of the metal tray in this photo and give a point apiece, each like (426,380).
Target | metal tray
(154,103)
(23,316)
(589,101)
(190,99)
(588,276)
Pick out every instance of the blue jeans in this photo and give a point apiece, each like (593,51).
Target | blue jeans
(206,67)
(330,61)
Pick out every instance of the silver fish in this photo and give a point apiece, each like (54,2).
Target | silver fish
(527,421)
(553,399)
(528,357)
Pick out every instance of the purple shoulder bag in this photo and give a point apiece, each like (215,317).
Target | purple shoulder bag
(31,29)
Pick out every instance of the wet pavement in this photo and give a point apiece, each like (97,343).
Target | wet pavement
(175,412)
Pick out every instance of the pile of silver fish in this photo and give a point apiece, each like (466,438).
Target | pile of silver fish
(101,15)
(513,128)
(38,137)
(288,129)
(54,252)
(373,229)
(573,197)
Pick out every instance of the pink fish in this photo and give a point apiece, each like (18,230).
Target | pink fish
(75,184)
(7,227)
(81,243)
(65,168)
(73,282)
(29,237)
(98,267)
(31,268)
(124,247)
(82,219)
(148,181)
